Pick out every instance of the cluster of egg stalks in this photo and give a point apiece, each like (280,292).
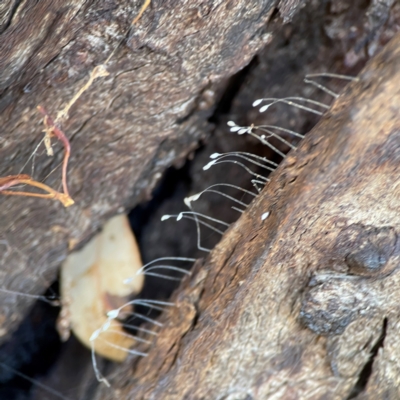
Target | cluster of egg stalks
(98,281)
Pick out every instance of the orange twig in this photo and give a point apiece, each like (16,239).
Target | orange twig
(51,127)
(141,11)
(12,180)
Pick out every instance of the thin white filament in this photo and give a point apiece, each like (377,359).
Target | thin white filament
(213,228)
(147,272)
(281,129)
(99,376)
(54,302)
(34,381)
(168,267)
(322,87)
(224,195)
(238,209)
(138,328)
(291,102)
(198,230)
(161,259)
(266,143)
(255,183)
(147,319)
(242,165)
(195,197)
(267,129)
(223,184)
(273,134)
(124,334)
(151,304)
(30,157)
(218,221)
(331,75)
(244,157)
(203,223)
(130,351)
(251,155)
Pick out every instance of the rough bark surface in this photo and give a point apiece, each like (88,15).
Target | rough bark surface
(149,113)
(303,304)
(124,130)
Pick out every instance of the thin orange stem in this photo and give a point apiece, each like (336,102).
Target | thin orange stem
(13,180)
(29,194)
(141,11)
(64,198)
(50,125)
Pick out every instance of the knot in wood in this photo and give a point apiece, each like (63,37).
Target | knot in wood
(372,251)
(366,250)
(332,302)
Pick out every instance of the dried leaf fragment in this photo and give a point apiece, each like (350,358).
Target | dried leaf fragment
(93,282)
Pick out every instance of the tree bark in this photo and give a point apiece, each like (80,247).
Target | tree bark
(165,81)
(149,112)
(302,304)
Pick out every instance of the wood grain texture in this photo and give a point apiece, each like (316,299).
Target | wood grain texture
(302,305)
(124,131)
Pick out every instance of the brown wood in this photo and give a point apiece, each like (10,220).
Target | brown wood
(124,130)
(302,305)
(148,113)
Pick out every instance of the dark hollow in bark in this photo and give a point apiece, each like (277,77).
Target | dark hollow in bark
(303,304)
(150,112)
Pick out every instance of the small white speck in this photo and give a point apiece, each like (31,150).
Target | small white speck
(265,216)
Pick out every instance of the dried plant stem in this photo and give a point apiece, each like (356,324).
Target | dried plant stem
(9,181)
(52,129)
(141,12)
(98,72)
